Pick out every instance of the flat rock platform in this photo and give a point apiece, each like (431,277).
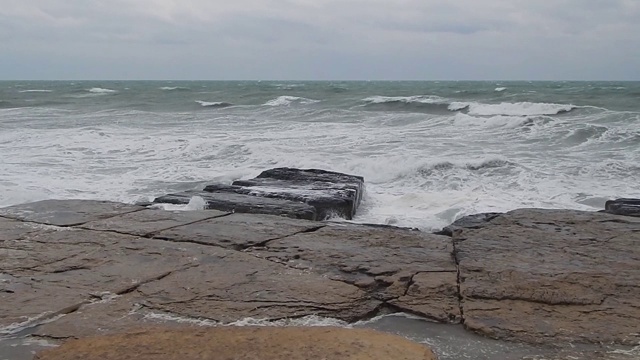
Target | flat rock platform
(557,279)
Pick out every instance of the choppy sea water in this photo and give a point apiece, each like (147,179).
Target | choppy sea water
(430,152)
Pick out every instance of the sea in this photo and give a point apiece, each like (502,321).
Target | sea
(430,151)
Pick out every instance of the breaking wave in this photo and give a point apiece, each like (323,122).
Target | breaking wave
(35,91)
(417,103)
(432,103)
(446,166)
(174,88)
(97,90)
(288,100)
(500,89)
(464,120)
(213,103)
(511,109)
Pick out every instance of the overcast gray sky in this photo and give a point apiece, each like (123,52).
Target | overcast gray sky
(320,39)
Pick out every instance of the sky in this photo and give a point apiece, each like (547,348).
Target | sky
(320,39)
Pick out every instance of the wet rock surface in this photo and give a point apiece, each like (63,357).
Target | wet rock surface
(538,276)
(548,275)
(409,270)
(627,207)
(309,194)
(243,343)
(243,203)
(468,222)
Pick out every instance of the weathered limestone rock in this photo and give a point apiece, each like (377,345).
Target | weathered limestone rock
(552,275)
(67,213)
(627,207)
(47,271)
(540,276)
(238,231)
(150,221)
(229,285)
(243,343)
(411,270)
(51,272)
(303,194)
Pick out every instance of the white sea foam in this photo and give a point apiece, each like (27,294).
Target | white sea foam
(97,90)
(511,109)
(41,319)
(36,91)
(212,103)
(196,203)
(310,320)
(500,89)
(171,88)
(288,100)
(423,99)
(464,120)
(131,155)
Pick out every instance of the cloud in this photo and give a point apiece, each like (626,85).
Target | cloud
(414,39)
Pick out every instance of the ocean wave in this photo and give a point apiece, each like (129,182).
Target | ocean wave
(465,120)
(416,103)
(35,91)
(586,134)
(97,90)
(287,86)
(286,100)
(500,89)
(6,104)
(511,109)
(421,99)
(174,88)
(213,103)
(447,166)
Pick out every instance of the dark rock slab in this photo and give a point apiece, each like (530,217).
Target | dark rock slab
(310,194)
(242,203)
(151,221)
(67,212)
(552,275)
(238,231)
(345,188)
(411,270)
(328,199)
(627,207)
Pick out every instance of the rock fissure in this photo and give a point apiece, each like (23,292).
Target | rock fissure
(135,286)
(153,233)
(71,224)
(454,255)
(266,242)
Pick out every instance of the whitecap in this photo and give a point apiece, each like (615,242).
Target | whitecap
(465,120)
(500,89)
(286,100)
(35,91)
(511,109)
(213,103)
(97,90)
(423,99)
